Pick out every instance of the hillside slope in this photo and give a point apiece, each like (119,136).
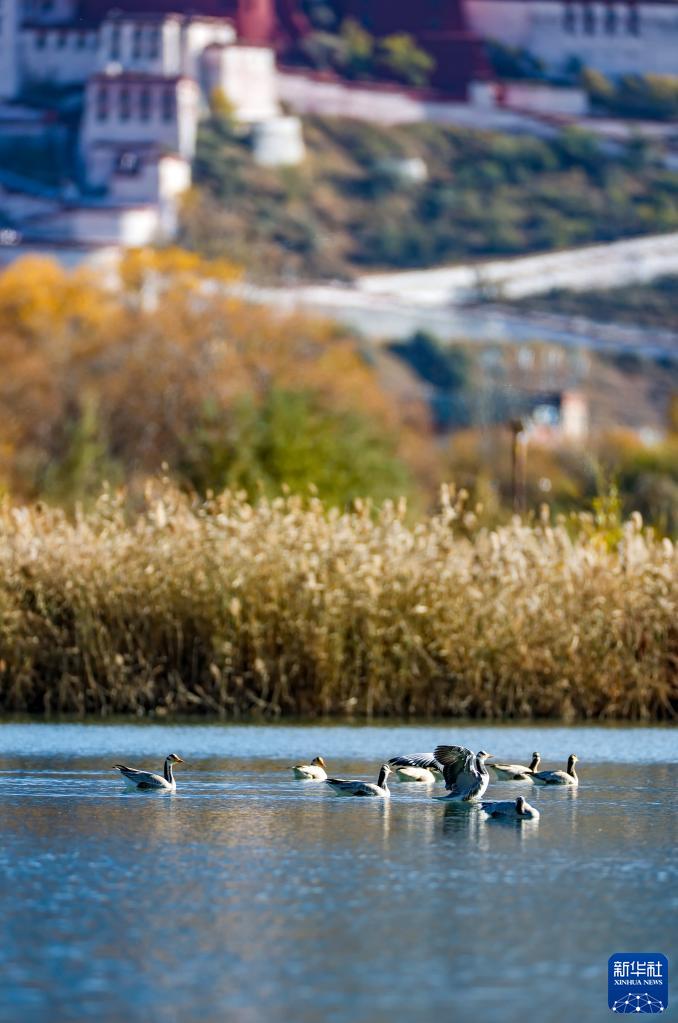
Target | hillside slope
(346,210)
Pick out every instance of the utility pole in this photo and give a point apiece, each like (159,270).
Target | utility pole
(518,464)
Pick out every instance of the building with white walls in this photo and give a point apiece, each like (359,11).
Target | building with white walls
(247,76)
(9,34)
(143,79)
(616,37)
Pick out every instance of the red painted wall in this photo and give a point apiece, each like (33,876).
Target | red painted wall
(256,21)
(439,26)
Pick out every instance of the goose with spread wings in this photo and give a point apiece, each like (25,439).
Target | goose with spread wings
(464,771)
(145,780)
(416,767)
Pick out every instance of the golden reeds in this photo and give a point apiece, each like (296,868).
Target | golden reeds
(285,607)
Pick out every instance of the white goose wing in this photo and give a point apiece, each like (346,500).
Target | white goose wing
(425,760)
(459,770)
(142,779)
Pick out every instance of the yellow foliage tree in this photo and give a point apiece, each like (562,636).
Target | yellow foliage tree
(145,351)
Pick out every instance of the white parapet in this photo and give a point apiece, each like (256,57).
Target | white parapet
(542,98)
(279,142)
(482,94)
(247,77)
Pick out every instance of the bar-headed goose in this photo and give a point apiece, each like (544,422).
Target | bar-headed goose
(153,782)
(510,810)
(464,772)
(568,777)
(362,788)
(515,772)
(421,768)
(315,771)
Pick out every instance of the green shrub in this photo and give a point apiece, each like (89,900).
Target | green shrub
(446,367)
(644,96)
(358,46)
(513,61)
(401,58)
(291,442)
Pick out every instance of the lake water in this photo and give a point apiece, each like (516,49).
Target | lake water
(250,897)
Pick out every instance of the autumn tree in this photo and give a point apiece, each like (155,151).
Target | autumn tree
(162,361)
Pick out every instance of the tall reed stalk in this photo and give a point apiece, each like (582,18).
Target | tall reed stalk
(285,607)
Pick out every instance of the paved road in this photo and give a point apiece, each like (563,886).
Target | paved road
(382,319)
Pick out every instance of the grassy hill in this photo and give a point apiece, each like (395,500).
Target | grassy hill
(345,211)
(647,305)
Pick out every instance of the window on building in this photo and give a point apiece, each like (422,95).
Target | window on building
(136,43)
(633,23)
(102,103)
(124,104)
(62,39)
(153,42)
(589,19)
(167,105)
(611,20)
(81,40)
(128,163)
(41,41)
(145,104)
(115,42)
(569,18)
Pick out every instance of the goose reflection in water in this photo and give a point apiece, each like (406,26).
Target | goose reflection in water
(462,819)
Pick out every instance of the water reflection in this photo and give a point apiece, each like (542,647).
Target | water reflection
(284,901)
(463,819)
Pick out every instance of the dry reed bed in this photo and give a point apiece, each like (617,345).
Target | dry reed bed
(284,607)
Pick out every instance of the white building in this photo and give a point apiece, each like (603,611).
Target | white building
(146,80)
(247,75)
(9,33)
(613,36)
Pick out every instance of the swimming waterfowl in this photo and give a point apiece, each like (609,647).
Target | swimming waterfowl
(515,772)
(464,772)
(568,777)
(418,775)
(422,768)
(146,780)
(508,809)
(362,788)
(315,771)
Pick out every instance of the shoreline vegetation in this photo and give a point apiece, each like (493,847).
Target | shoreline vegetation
(286,607)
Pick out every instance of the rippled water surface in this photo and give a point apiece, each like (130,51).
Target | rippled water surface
(247,896)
